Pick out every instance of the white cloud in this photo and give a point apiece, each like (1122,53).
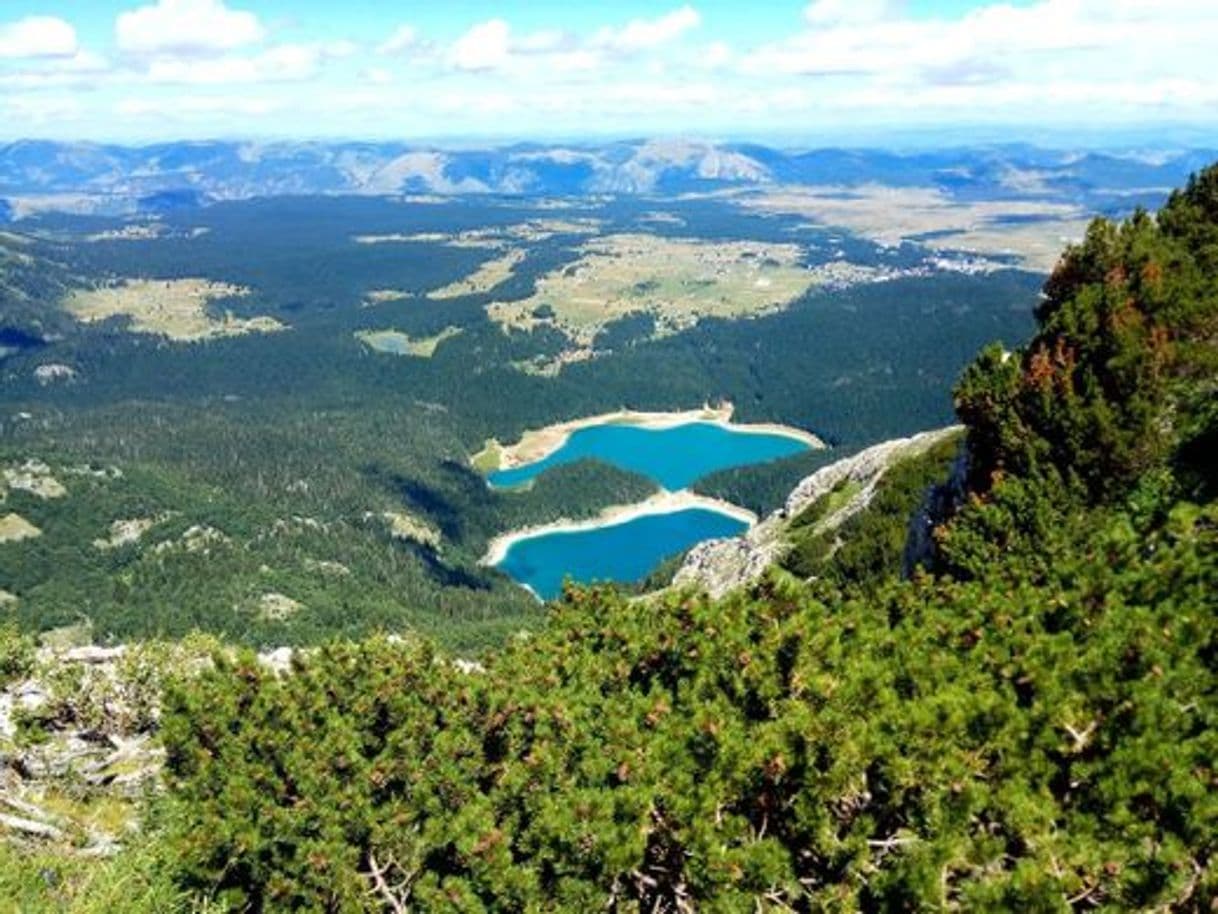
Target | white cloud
(833,62)
(863,38)
(1041,103)
(624,101)
(178,108)
(83,69)
(282,63)
(39,108)
(716,55)
(643,34)
(549,41)
(483,47)
(404,38)
(337,50)
(37,36)
(185,27)
(491,45)
(835,12)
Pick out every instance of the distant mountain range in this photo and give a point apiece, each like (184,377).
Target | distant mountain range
(37,175)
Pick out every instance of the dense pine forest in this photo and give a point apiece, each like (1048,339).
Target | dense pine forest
(1022,718)
(293,445)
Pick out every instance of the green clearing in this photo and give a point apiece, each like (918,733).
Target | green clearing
(398,343)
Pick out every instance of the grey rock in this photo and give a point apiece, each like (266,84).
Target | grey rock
(723,565)
(278,661)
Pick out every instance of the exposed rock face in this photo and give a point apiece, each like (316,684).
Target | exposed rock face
(722,565)
(94,722)
(199,538)
(278,661)
(83,722)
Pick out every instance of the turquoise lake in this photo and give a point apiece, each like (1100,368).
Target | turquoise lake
(621,552)
(673,457)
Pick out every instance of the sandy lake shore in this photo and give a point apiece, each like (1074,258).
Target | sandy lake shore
(662,502)
(537,444)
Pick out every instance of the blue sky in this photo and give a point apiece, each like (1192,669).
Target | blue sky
(144,70)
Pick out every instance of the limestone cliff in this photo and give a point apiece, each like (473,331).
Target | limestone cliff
(722,565)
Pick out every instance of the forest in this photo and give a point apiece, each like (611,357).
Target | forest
(247,434)
(1024,719)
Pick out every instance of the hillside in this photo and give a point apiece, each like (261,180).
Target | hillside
(1028,722)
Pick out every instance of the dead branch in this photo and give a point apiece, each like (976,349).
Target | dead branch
(30,827)
(1081,737)
(393,896)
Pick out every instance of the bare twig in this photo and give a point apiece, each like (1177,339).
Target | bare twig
(891,842)
(382,888)
(1086,896)
(1081,737)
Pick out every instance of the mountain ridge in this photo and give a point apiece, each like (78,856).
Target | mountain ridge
(107,178)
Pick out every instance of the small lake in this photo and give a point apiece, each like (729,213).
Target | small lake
(673,457)
(623,551)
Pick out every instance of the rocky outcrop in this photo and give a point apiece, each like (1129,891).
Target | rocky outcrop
(720,566)
(77,735)
(79,732)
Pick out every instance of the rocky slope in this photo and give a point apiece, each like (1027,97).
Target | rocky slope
(80,745)
(77,746)
(722,565)
(79,741)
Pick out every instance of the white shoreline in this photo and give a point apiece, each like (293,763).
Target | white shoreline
(538,444)
(663,502)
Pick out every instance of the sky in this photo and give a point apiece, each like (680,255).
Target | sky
(150,70)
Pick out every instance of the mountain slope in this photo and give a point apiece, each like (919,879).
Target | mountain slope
(1028,724)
